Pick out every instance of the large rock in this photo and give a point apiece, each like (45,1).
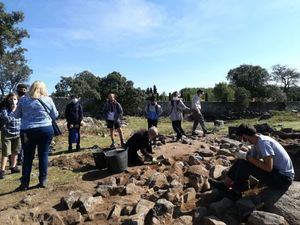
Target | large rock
(158,180)
(188,195)
(224,151)
(197,170)
(284,204)
(69,201)
(108,190)
(183,220)
(73,217)
(115,211)
(265,218)
(88,203)
(50,217)
(216,171)
(233,143)
(164,208)
(211,220)
(143,206)
(205,152)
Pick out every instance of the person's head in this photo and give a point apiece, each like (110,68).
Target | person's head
(38,89)
(246,132)
(200,92)
(74,98)
(111,97)
(152,132)
(175,95)
(11,100)
(152,100)
(21,89)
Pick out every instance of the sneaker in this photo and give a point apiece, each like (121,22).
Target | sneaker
(15,170)
(70,148)
(2,173)
(113,145)
(22,187)
(78,147)
(41,185)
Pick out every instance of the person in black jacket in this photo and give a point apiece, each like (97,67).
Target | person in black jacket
(141,140)
(74,116)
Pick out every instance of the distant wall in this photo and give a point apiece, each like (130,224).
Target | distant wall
(215,109)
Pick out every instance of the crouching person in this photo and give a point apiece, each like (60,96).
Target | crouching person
(267,161)
(141,140)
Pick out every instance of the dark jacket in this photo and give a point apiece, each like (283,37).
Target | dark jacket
(113,107)
(74,113)
(140,141)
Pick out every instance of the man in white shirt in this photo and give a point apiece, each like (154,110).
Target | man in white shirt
(197,115)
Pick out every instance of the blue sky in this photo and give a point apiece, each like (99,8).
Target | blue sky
(170,43)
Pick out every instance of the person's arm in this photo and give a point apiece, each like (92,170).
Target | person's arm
(160,110)
(182,106)
(120,109)
(54,113)
(80,112)
(5,117)
(266,164)
(146,153)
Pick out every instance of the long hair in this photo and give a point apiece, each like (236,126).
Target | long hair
(38,89)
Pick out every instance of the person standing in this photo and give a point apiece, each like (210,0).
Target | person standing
(21,91)
(177,107)
(197,115)
(36,131)
(10,134)
(153,111)
(113,112)
(74,116)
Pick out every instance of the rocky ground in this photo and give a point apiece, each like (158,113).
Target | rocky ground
(176,191)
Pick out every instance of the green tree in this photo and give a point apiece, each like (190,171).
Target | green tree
(242,98)
(223,92)
(276,94)
(154,89)
(13,68)
(285,76)
(252,78)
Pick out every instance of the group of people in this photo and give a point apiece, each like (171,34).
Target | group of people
(26,117)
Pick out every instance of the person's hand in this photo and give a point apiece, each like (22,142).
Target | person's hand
(71,125)
(241,155)
(76,126)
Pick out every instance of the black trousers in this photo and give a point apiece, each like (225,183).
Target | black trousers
(133,158)
(69,136)
(177,128)
(242,169)
(152,123)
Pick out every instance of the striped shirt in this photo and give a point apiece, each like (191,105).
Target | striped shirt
(12,125)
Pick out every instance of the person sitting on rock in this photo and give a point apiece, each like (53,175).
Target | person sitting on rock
(267,161)
(141,140)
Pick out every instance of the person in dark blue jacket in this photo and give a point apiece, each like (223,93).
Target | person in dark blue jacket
(74,116)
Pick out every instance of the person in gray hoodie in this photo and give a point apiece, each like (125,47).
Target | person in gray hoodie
(113,112)
(177,107)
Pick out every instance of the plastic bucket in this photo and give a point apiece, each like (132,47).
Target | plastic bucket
(117,160)
(74,135)
(99,158)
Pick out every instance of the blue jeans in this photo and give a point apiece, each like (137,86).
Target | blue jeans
(41,138)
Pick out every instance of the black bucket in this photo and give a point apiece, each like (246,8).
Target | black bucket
(99,158)
(117,160)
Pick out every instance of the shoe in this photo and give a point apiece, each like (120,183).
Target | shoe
(41,185)
(22,187)
(78,147)
(194,133)
(70,148)
(113,145)
(2,173)
(15,170)
(215,184)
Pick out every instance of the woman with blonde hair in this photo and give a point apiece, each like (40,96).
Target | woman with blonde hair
(36,111)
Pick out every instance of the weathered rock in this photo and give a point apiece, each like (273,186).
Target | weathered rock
(183,220)
(173,195)
(163,208)
(188,195)
(199,214)
(205,152)
(211,220)
(131,189)
(224,151)
(88,204)
(159,180)
(194,160)
(175,184)
(197,170)
(137,219)
(27,200)
(196,182)
(165,160)
(50,217)
(108,190)
(265,218)
(126,211)
(284,204)
(216,171)
(115,211)
(233,143)
(214,148)
(70,201)
(73,217)
(111,181)
(143,206)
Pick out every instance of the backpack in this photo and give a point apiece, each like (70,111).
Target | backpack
(151,115)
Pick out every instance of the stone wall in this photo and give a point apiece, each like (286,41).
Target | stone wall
(214,109)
